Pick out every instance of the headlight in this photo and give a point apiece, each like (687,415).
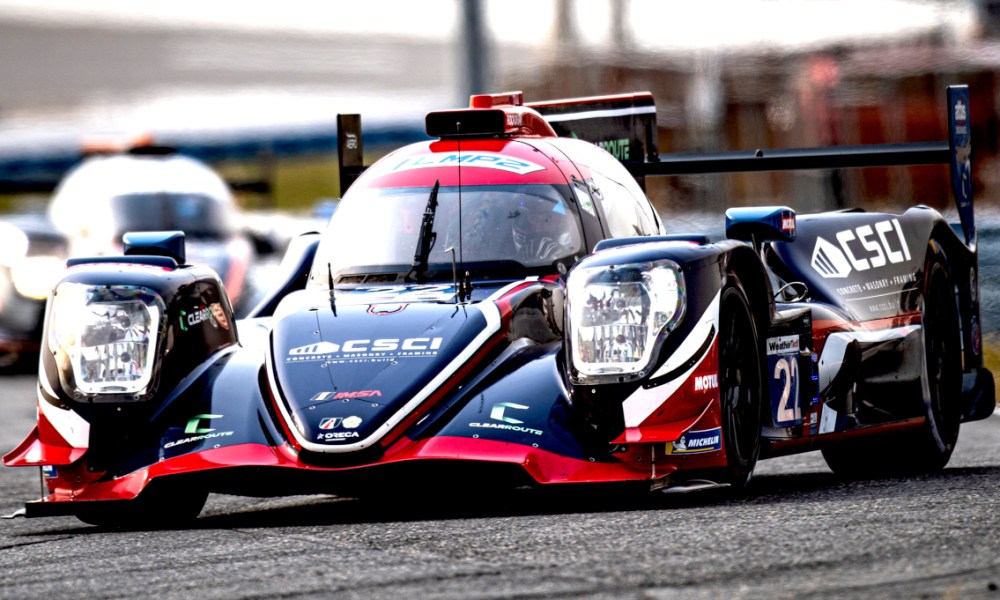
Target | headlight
(617,315)
(105,336)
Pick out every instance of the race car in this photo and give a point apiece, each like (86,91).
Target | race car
(502,306)
(145,187)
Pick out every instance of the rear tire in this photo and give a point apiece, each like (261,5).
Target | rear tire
(740,387)
(929,448)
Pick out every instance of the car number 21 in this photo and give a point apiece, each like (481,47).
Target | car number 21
(785,390)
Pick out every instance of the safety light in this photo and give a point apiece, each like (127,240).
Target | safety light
(618,316)
(108,336)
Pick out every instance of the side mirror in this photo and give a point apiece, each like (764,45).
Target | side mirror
(758,224)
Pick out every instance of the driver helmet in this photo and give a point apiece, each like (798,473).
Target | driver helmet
(541,231)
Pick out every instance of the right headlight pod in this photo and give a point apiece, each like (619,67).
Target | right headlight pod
(617,315)
(104,339)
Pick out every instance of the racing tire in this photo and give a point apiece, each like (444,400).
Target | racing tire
(932,446)
(163,508)
(740,388)
(928,448)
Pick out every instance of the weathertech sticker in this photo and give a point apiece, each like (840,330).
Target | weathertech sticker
(695,442)
(786,344)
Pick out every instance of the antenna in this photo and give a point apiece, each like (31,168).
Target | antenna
(458,129)
(333,300)
(464,288)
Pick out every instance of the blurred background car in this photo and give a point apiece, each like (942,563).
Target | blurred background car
(146,188)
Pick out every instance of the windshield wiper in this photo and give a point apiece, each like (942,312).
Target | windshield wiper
(427,238)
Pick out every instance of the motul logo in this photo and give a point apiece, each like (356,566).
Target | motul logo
(706,382)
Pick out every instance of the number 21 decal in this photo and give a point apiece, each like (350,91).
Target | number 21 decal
(785,390)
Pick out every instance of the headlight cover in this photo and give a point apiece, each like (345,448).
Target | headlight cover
(106,335)
(617,316)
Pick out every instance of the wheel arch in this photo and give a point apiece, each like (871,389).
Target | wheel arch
(743,267)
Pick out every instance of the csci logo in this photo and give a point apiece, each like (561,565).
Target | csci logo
(380,345)
(860,249)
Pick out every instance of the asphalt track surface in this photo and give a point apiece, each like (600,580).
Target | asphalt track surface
(800,533)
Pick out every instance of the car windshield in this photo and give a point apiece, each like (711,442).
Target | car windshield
(197,215)
(378,230)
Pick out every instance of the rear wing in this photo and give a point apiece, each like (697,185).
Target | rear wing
(578,118)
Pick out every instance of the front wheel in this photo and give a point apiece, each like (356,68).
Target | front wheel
(740,387)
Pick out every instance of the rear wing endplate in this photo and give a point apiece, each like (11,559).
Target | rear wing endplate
(350,151)
(623,124)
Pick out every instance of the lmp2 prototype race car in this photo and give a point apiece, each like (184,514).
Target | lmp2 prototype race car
(501,305)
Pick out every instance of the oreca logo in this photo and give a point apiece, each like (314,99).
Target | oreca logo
(862,248)
(379,345)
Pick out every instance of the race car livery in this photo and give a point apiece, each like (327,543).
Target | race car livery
(502,304)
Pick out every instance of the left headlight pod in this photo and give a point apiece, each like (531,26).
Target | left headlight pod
(104,339)
(617,315)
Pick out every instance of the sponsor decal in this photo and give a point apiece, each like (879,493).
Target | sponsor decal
(189,319)
(397,296)
(323,396)
(875,285)
(330,423)
(352,141)
(351,422)
(367,350)
(696,442)
(212,313)
(49,471)
(860,249)
(385,309)
(497,412)
(508,423)
(788,224)
(703,383)
(198,432)
(786,344)
(219,315)
(337,436)
(194,424)
(617,148)
(487,160)
(961,112)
